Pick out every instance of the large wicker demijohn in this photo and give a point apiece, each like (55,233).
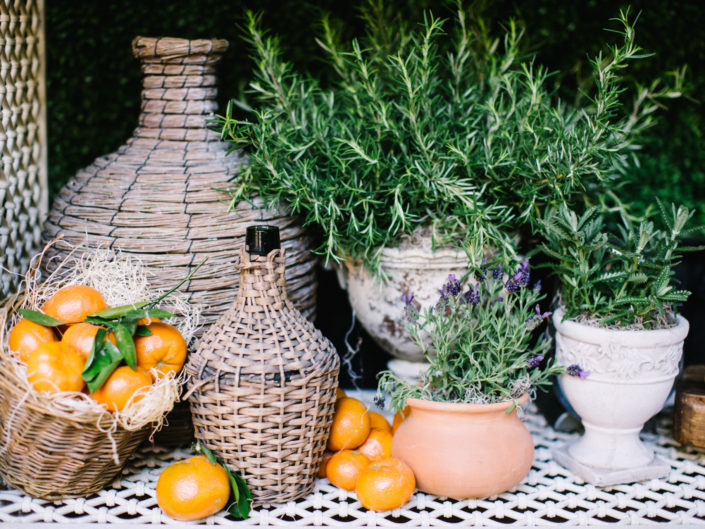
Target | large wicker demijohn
(262,382)
(157,198)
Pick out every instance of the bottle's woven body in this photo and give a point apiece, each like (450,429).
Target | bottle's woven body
(262,385)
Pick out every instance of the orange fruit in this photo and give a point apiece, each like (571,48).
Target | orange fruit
(351,424)
(193,489)
(345,467)
(324,463)
(26,336)
(164,349)
(377,445)
(124,386)
(339,393)
(147,321)
(73,303)
(54,367)
(399,417)
(81,336)
(377,420)
(385,485)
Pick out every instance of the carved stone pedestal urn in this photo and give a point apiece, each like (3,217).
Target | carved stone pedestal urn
(626,377)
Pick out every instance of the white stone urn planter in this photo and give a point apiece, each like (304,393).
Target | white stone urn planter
(413,269)
(630,374)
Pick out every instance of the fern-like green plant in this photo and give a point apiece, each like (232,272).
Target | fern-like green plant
(439,125)
(623,277)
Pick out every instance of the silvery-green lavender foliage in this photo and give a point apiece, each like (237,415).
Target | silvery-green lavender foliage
(481,341)
(439,124)
(621,278)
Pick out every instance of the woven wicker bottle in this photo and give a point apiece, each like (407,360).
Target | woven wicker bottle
(156,196)
(262,384)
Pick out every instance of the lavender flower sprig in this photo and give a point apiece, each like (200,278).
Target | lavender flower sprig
(480,339)
(575,370)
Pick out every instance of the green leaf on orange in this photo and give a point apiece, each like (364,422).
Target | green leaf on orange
(40,318)
(240,500)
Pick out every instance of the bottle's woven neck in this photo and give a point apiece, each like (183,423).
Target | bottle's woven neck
(262,281)
(179,82)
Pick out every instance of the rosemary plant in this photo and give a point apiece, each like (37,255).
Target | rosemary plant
(420,126)
(481,343)
(619,277)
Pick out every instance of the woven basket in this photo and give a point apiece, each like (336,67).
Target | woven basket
(23,157)
(49,455)
(157,195)
(55,448)
(262,384)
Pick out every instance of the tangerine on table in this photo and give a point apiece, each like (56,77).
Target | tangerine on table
(377,445)
(399,417)
(339,393)
(193,489)
(73,303)
(124,386)
(344,468)
(385,485)
(351,424)
(26,336)
(377,420)
(164,349)
(54,367)
(324,463)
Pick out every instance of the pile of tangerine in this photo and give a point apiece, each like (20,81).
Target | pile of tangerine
(56,358)
(359,457)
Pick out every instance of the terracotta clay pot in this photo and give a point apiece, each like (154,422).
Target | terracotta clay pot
(464,450)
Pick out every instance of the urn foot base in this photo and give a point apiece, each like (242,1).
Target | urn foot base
(407,370)
(602,477)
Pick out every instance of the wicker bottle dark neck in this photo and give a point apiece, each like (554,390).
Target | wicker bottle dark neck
(178,88)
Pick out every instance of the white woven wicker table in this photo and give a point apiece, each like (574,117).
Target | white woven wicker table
(550,495)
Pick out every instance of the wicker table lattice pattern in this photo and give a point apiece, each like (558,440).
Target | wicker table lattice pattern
(550,495)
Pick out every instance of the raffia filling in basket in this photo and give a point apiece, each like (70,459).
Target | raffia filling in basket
(62,445)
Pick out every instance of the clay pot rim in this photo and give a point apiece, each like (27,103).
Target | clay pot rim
(461,407)
(629,337)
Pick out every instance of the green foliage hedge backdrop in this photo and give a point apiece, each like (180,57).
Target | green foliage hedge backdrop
(93,82)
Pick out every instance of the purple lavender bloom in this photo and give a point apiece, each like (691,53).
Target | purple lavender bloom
(537,285)
(472,295)
(452,287)
(540,314)
(520,277)
(379,401)
(576,371)
(498,273)
(514,283)
(534,361)
(407,298)
(524,269)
